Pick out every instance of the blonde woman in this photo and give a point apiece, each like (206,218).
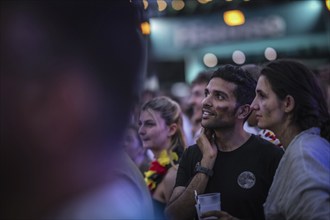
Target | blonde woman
(161,131)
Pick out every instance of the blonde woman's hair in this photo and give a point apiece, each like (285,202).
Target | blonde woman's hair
(171,112)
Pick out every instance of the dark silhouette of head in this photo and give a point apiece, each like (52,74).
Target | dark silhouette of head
(70,71)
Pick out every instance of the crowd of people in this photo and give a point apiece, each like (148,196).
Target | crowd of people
(76,143)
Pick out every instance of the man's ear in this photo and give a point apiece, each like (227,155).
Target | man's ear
(172,129)
(243,111)
(289,103)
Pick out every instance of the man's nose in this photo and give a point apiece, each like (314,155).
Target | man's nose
(206,102)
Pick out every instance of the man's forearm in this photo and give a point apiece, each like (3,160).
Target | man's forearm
(182,206)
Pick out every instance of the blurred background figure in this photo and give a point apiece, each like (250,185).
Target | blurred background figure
(144,96)
(250,124)
(290,102)
(322,73)
(161,131)
(198,86)
(185,114)
(70,71)
(133,146)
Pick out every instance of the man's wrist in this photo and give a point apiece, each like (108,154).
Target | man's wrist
(200,169)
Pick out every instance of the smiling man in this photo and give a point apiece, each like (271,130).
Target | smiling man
(226,158)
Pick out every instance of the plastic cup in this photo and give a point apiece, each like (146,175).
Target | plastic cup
(208,202)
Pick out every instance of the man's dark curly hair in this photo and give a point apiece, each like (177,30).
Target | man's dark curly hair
(246,84)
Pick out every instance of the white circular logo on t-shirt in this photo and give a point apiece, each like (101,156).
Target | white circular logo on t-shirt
(246,180)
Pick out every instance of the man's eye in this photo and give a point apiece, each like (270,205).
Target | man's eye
(220,96)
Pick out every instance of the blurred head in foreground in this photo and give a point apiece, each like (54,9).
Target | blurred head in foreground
(69,74)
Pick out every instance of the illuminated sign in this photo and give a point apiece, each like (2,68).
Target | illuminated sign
(195,35)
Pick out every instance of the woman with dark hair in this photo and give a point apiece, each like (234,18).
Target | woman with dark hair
(290,102)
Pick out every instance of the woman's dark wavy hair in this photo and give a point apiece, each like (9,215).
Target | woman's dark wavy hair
(290,77)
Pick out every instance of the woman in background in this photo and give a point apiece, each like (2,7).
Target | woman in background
(161,132)
(290,102)
(133,146)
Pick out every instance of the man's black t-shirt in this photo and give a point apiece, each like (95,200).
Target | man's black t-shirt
(243,176)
